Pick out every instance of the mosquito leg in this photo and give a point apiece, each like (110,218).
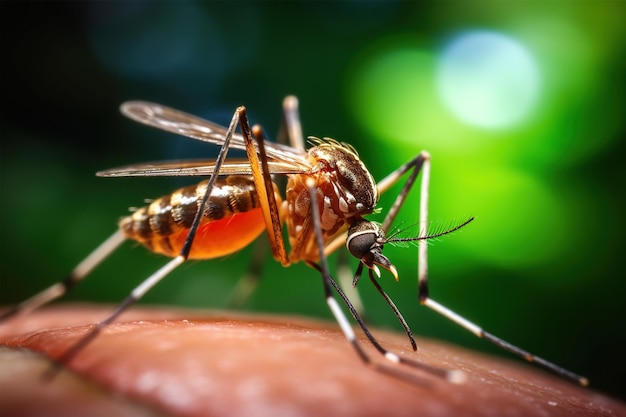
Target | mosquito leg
(425,299)
(265,188)
(415,165)
(452,376)
(135,295)
(479,332)
(355,280)
(346,280)
(290,132)
(457,377)
(63,287)
(420,163)
(291,126)
(395,310)
(327,279)
(156,277)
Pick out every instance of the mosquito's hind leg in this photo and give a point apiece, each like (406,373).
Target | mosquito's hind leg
(239,117)
(61,288)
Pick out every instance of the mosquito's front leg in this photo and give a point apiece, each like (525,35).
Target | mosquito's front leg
(329,284)
(423,161)
(479,332)
(348,281)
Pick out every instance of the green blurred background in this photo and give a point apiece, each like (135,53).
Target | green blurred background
(520,103)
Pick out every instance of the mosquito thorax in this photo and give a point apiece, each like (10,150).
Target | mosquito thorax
(345,189)
(365,242)
(341,165)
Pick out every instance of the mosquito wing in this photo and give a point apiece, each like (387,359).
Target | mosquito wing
(189,168)
(175,121)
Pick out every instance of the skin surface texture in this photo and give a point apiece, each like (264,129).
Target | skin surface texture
(166,362)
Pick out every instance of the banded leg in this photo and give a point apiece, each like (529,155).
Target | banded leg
(423,161)
(328,282)
(239,117)
(414,165)
(61,288)
(346,280)
(291,129)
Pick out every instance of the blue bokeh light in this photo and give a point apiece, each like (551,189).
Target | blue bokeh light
(488,79)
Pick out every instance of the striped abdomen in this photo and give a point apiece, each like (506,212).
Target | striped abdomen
(231,220)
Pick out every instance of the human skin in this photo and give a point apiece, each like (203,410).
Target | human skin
(163,362)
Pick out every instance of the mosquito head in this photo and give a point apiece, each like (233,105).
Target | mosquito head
(366,239)
(365,242)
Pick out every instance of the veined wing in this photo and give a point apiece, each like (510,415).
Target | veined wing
(190,168)
(175,121)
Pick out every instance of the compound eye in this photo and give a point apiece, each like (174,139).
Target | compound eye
(363,235)
(360,243)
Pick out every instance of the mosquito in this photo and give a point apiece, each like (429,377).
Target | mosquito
(329,192)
